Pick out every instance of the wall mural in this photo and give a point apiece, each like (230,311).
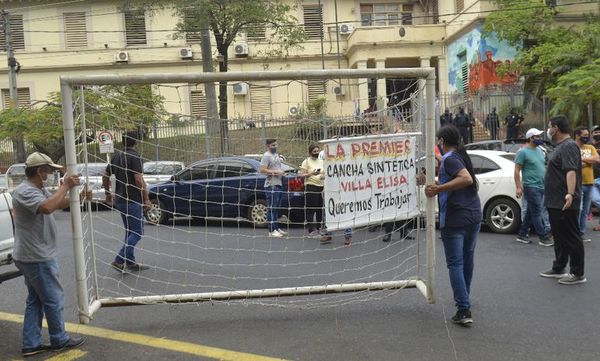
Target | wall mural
(478,59)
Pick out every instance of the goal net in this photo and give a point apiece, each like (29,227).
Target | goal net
(209,233)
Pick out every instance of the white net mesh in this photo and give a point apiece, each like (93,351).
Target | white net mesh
(206,231)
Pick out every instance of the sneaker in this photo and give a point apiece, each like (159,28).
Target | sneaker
(314,234)
(275,233)
(282,231)
(70,343)
(118,266)
(553,274)
(136,267)
(387,238)
(30,351)
(523,239)
(546,242)
(571,279)
(586,240)
(325,239)
(347,240)
(462,317)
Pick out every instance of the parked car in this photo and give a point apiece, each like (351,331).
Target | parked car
(7,238)
(226,187)
(92,173)
(15,174)
(494,171)
(510,146)
(3,184)
(161,171)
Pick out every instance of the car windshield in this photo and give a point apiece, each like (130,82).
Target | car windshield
(509,156)
(161,168)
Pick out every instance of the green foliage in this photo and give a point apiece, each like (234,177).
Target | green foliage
(311,120)
(557,61)
(120,107)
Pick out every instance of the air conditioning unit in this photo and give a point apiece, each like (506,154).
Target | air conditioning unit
(122,57)
(346,28)
(240,89)
(339,90)
(186,53)
(293,110)
(240,49)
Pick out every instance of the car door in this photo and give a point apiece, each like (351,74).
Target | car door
(229,189)
(190,190)
(489,175)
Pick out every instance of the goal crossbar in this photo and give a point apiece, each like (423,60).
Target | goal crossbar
(87,310)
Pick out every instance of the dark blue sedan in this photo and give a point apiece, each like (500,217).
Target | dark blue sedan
(226,187)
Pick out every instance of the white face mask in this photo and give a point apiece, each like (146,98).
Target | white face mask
(549,133)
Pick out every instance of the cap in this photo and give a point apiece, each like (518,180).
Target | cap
(595,127)
(533,131)
(36,159)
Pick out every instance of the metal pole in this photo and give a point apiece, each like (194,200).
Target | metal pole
(77,232)
(321,36)
(263,131)
(590,116)
(18,142)
(430,169)
(337,36)
(209,91)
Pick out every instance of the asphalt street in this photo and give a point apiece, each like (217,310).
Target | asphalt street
(518,315)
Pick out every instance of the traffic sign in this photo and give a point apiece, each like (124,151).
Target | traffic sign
(105,139)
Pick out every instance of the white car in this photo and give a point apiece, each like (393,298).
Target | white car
(7,238)
(92,174)
(160,171)
(15,174)
(495,174)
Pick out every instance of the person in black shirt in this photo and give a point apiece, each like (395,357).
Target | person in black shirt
(562,197)
(492,123)
(462,123)
(513,121)
(446,118)
(131,198)
(596,188)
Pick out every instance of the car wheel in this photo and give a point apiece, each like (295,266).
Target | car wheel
(503,215)
(156,214)
(257,213)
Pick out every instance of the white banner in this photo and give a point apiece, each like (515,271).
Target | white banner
(370,180)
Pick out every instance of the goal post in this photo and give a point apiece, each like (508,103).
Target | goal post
(90,298)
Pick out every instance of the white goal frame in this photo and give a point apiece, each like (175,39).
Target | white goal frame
(425,285)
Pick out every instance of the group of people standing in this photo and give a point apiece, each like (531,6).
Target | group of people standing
(464,122)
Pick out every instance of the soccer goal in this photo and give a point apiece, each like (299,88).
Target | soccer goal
(205,236)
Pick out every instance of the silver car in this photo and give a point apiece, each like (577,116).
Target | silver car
(161,171)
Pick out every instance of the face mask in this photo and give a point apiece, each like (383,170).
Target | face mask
(314,156)
(538,142)
(597,137)
(273,150)
(440,148)
(549,133)
(584,140)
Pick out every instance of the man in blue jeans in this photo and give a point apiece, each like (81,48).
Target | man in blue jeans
(530,162)
(35,255)
(131,197)
(270,165)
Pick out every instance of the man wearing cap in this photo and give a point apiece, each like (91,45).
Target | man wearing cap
(131,197)
(530,162)
(35,254)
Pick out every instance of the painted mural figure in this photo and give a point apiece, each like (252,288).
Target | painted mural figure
(492,123)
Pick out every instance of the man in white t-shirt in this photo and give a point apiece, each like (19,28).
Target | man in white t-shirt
(270,165)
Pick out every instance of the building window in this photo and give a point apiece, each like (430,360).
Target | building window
(313,21)
(385,14)
(256,31)
(17,33)
(460,5)
(75,30)
(192,35)
(260,99)
(23,98)
(135,27)
(316,89)
(198,104)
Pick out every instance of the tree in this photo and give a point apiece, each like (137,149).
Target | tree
(556,61)
(110,107)
(229,18)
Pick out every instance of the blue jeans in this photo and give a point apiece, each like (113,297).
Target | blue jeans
(534,212)
(274,194)
(596,193)
(46,297)
(586,203)
(545,217)
(459,247)
(131,214)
